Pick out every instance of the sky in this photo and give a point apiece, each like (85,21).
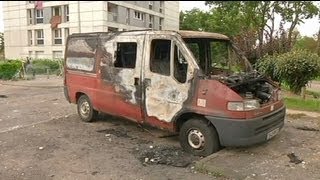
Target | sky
(309,28)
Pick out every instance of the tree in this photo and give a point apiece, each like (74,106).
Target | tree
(194,19)
(294,12)
(306,43)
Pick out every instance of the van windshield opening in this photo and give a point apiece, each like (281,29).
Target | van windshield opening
(217,57)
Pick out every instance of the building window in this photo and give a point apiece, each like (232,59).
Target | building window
(66,13)
(160,23)
(112,12)
(126,55)
(39,16)
(161,6)
(128,16)
(138,15)
(66,34)
(39,54)
(57,55)
(30,16)
(56,11)
(150,21)
(39,36)
(30,38)
(150,5)
(112,29)
(57,38)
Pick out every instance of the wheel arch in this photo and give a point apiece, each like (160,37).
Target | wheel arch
(184,116)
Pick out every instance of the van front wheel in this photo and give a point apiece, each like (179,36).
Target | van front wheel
(199,138)
(85,109)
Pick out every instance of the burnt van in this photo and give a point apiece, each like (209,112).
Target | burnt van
(197,84)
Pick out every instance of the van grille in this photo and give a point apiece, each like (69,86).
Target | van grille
(274,119)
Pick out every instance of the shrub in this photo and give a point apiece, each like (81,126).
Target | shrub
(40,66)
(8,69)
(267,65)
(295,68)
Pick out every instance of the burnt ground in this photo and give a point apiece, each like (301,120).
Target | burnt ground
(41,137)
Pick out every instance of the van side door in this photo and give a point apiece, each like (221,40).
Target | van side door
(119,91)
(167,74)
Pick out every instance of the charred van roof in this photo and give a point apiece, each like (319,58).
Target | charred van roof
(183,33)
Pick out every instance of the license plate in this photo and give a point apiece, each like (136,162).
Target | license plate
(272,133)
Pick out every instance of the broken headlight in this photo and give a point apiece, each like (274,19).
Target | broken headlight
(246,105)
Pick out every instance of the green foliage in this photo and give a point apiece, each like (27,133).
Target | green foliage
(295,68)
(306,43)
(267,65)
(40,66)
(8,69)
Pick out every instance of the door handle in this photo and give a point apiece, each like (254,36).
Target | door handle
(136,81)
(147,82)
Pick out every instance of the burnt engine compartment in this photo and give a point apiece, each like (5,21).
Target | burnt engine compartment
(248,85)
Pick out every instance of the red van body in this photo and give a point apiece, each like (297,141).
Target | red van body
(181,81)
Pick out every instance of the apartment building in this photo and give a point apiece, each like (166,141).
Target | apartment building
(39,29)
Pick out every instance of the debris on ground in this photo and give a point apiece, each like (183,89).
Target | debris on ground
(305,128)
(172,156)
(294,159)
(40,148)
(3,96)
(118,133)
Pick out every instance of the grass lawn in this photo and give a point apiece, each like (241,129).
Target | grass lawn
(311,103)
(305,105)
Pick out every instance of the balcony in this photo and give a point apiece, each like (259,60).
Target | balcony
(112,17)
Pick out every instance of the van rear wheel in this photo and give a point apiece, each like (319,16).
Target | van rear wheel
(85,109)
(199,137)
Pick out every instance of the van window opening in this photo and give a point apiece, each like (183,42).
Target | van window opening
(180,66)
(217,56)
(126,55)
(160,56)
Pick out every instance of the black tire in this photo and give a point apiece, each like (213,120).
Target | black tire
(88,114)
(201,130)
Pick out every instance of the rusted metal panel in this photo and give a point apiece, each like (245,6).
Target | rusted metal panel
(197,34)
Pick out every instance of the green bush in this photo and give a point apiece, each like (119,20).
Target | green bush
(267,65)
(40,66)
(8,69)
(295,68)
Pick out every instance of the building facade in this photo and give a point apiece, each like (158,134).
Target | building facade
(39,29)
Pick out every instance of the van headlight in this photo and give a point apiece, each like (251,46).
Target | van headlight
(246,105)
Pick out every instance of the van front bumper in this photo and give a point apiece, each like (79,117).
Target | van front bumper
(235,132)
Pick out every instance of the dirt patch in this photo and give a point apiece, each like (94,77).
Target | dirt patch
(305,128)
(166,155)
(296,116)
(117,132)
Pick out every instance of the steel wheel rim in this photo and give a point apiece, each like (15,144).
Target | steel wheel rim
(85,109)
(196,139)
